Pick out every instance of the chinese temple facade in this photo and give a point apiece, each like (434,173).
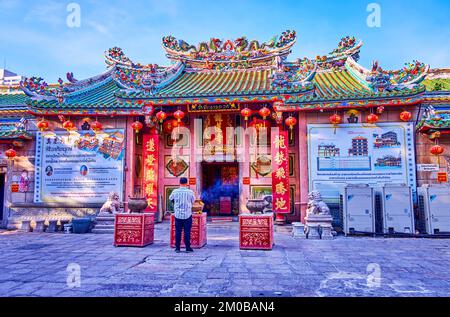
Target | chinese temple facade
(239,118)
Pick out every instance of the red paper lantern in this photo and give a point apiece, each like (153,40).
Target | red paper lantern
(259,124)
(405,116)
(68,125)
(161,116)
(372,118)
(380,109)
(335,119)
(264,112)
(437,150)
(179,115)
(42,125)
(169,125)
(137,126)
(96,126)
(246,113)
(290,122)
(10,154)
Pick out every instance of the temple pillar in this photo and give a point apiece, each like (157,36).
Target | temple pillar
(303,164)
(129,162)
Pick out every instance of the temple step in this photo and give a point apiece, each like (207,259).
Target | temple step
(103,230)
(104,224)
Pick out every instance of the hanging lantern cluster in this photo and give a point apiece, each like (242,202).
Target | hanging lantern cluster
(42,125)
(169,125)
(405,116)
(335,119)
(96,126)
(137,126)
(10,154)
(372,118)
(68,125)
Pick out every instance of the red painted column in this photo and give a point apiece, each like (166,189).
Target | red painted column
(303,164)
(129,162)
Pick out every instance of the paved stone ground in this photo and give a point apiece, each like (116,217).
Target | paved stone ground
(35,265)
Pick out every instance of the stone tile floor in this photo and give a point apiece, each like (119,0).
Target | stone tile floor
(40,265)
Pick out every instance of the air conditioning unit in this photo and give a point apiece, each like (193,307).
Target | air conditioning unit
(434,207)
(358,206)
(398,209)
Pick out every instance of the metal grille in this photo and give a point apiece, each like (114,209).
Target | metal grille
(378,213)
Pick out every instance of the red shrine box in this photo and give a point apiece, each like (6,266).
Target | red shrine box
(256,232)
(134,230)
(198,231)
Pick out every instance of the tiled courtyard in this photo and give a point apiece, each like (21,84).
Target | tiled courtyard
(36,265)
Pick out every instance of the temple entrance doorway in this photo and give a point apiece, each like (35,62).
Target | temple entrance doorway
(220,189)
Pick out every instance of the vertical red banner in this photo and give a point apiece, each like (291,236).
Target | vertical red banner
(150,156)
(280,172)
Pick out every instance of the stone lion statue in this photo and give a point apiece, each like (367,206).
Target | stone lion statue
(316,206)
(113,205)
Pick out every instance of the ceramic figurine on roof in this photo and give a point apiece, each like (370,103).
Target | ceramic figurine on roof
(294,75)
(379,81)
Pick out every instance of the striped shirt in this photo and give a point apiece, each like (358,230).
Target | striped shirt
(183,199)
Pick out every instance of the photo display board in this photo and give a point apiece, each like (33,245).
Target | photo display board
(79,167)
(360,154)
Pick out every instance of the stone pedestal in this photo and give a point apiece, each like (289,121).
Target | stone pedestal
(26,226)
(40,226)
(256,232)
(298,230)
(52,226)
(198,231)
(104,223)
(319,227)
(134,230)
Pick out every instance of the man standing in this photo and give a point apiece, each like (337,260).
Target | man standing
(183,199)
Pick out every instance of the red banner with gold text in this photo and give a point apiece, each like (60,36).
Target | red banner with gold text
(150,179)
(280,172)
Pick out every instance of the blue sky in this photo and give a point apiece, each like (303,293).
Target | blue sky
(35,39)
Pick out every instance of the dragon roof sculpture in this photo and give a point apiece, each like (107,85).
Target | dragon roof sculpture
(347,47)
(239,53)
(381,80)
(135,77)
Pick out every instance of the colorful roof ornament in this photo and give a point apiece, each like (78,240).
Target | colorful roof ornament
(148,78)
(230,54)
(294,75)
(347,47)
(380,80)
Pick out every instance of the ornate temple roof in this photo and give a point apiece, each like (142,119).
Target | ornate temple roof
(12,102)
(226,71)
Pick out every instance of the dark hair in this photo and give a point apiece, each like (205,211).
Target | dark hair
(183,180)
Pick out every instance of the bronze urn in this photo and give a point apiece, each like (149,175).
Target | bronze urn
(137,204)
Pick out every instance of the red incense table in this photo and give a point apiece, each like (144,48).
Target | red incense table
(134,230)
(256,232)
(198,231)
